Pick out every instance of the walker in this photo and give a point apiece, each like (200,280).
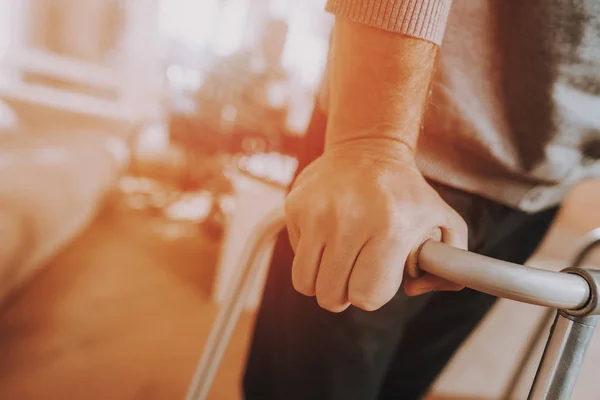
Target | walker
(573,293)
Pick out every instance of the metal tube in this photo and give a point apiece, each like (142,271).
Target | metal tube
(558,371)
(541,331)
(504,279)
(481,273)
(499,278)
(587,244)
(219,337)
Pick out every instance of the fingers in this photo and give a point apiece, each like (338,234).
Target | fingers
(307,241)
(306,264)
(352,239)
(377,273)
(293,236)
(450,228)
(342,270)
(335,268)
(292,228)
(453,231)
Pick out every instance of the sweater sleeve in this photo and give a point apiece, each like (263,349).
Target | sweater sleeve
(422,19)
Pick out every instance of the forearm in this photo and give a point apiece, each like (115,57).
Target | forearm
(379,84)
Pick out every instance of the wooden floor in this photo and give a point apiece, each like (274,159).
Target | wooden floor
(123,313)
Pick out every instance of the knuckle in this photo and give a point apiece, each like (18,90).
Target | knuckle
(303,285)
(463,233)
(305,205)
(455,221)
(290,207)
(330,304)
(382,225)
(318,205)
(329,298)
(367,302)
(396,219)
(462,226)
(457,227)
(354,214)
(395,228)
(348,200)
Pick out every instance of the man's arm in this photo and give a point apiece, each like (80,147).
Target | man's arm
(358,215)
(382,64)
(421,19)
(378,86)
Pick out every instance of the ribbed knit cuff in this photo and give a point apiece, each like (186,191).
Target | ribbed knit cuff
(423,19)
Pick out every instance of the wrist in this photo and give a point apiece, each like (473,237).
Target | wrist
(381,150)
(378,90)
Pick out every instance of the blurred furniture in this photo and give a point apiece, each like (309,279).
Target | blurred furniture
(73,64)
(50,189)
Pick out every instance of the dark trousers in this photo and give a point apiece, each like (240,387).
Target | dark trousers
(300,351)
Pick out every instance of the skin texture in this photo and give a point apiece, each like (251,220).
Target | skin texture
(358,215)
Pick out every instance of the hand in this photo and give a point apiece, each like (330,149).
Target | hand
(356,218)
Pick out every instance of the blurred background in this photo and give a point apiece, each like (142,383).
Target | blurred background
(141,142)
(194,103)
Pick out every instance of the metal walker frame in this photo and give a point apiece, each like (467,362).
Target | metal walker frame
(573,295)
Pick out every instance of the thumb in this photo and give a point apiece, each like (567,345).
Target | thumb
(411,267)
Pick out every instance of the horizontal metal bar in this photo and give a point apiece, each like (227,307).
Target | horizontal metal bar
(504,279)
(499,278)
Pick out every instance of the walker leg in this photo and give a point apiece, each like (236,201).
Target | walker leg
(540,331)
(230,311)
(589,243)
(564,353)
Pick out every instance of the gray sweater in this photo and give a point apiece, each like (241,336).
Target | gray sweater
(515,110)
